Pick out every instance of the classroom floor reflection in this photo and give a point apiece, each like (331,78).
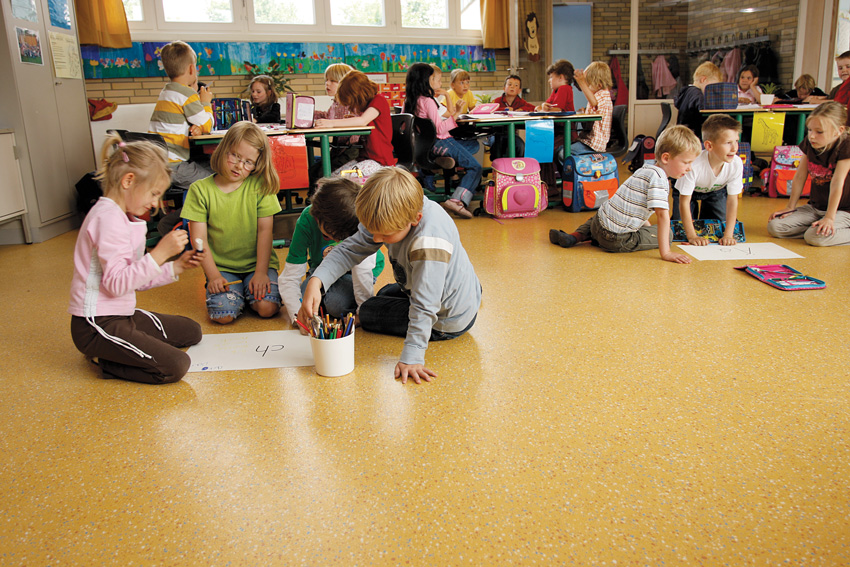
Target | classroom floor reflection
(604,409)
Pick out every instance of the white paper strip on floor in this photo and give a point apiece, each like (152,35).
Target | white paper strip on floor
(248,351)
(744,251)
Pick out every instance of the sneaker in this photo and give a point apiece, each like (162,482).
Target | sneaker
(562,239)
(457,208)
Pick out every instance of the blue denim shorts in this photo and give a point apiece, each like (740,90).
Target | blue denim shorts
(231,303)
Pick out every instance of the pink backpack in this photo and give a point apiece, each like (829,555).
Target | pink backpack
(516,189)
(783,167)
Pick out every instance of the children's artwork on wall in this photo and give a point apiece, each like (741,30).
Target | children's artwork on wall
(532,41)
(480,59)
(366,57)
(107,63)
(142,59)
(249,351)
(60,17)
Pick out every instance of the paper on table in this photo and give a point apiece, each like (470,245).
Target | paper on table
(741,251)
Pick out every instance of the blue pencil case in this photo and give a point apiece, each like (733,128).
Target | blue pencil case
(711,229)
(783,277)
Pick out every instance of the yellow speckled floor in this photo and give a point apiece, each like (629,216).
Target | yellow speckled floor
(605,409)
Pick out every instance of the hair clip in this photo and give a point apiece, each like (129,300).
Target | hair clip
(124,156)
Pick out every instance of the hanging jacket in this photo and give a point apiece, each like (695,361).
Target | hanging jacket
(732,64)
(620,92)
(662,81)
(642,88)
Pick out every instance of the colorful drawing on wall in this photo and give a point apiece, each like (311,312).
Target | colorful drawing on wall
(220,58)
(29,46)
(481,60)
(213,58)
(60,17)
(366,57)
(532,43)
(454,57)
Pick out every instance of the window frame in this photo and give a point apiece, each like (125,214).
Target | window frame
(155,28)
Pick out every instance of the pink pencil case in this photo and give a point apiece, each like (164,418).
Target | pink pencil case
(783,277)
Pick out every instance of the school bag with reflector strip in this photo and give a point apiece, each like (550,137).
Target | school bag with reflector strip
(783,167)
(589,181)
(515,190)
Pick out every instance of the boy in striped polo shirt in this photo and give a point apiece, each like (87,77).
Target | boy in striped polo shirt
(436,295)
(181,111)
(622,223)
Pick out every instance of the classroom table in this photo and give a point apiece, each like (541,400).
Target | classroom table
(323,134)
(800,111)
(511,122)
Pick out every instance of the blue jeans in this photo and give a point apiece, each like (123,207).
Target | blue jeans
(388,311)
(712,205)
(463,152)
(231,303)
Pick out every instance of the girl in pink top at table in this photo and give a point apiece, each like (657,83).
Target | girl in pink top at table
(422,82)
(360,94)
(110,264)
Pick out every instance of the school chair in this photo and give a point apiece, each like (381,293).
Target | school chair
(424,138)
(402,141)
(618,143)
(666,113)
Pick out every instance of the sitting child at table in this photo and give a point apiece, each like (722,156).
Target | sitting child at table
(825,219)
(714,182)
(329,219)
(264,106)
(622,223)
(805,91)
(421,84)
(748,85)
(510,100)
(595,82)
(232,213)
(690,100)
(841,93)
(460,91)
(361,96)
(560,75)
(342,151)
(437,294)
(180,112)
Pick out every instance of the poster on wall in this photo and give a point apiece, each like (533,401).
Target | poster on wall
(29,46)
(60,17)
(66,55)
(25,10)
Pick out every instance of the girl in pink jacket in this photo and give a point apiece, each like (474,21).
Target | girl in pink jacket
(110,264)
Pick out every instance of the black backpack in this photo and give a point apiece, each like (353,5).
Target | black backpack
(88,192)
(641,151)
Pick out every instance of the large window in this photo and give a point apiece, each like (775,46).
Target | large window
(398,21)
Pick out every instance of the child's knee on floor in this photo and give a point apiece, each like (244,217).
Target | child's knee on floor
(265,308)
(224,307)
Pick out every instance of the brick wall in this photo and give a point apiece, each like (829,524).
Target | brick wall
(142,90)
(693,21)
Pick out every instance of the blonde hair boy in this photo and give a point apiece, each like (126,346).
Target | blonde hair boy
(336,71)
(710,189)
(706,74)
(622,223)
(436,295)
(598,75)
(390,200)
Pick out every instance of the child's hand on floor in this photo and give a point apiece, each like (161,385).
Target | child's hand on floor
(698,241)
(188,260)
(676,258)
(417,372)
(727,241)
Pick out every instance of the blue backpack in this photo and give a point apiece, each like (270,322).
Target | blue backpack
(589,181)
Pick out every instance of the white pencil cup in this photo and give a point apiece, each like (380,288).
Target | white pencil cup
(333,357)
